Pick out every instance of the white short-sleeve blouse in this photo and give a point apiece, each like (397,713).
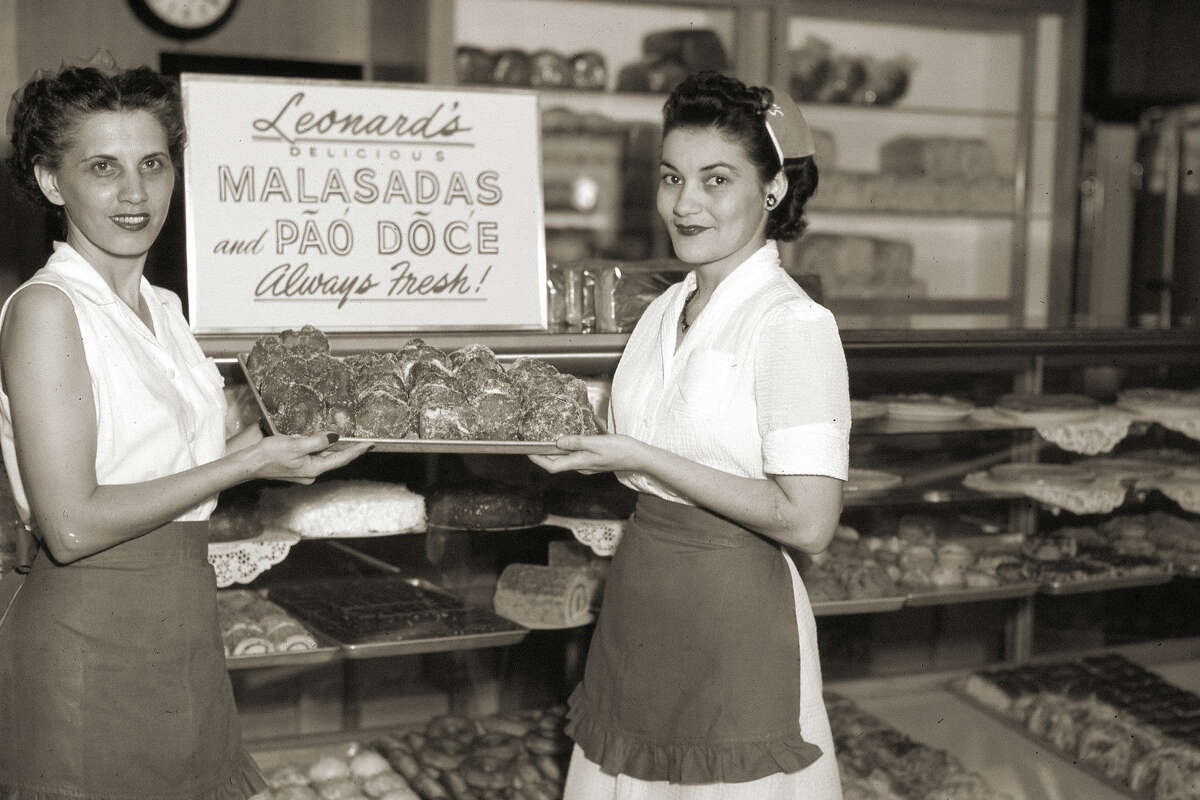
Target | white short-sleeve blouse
(757,387)
(160,408)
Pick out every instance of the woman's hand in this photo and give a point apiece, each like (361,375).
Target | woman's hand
(592,454)
(300,459)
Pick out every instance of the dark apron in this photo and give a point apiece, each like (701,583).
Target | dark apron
(113,682)
(693,675)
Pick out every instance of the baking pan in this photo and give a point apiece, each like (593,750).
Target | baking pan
(1104,584)
(311,602)
(970,594)
(325,652)
(1015,725)
(865,605)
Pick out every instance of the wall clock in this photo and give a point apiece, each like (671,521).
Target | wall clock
(184,19)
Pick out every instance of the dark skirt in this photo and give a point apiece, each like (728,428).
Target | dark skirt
(693,674)
(113,681)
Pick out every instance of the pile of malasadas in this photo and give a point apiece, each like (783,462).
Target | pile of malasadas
(516,756)
(417,392)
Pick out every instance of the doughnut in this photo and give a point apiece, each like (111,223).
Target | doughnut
(527,771)
(389,742)
(429,788)
(296,792)
(535,791)
(404,763)
(339,789)
(400,794)
(455,782)
(384,782)
(366,764)
(328,768)
(541,743)
(501,723)
(442,754)
(497,745)
(286,776)
(415,740)
(549,768)
(452,726)
(485,772)
(550,723)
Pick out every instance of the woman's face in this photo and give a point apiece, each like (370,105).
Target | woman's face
(115,182)
(710,198)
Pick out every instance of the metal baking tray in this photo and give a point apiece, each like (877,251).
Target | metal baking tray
(866,605)
(969,594)
(419,445)
(325,652)
(395,643)
(1105,584)
(1121,787)
(444,644)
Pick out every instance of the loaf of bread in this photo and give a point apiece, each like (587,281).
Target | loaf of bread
(538,596)
(485,506)
(938,157)
(344,508)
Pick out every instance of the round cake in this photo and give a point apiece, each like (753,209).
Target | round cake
(484,507)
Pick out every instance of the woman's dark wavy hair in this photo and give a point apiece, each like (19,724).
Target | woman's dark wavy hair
(50,109)
(738,111)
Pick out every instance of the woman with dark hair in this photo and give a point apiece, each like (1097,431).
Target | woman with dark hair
(112,673)
(731,417)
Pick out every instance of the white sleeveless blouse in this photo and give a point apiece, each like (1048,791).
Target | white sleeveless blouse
(159,402)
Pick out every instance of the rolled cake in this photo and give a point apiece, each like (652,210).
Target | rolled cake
(245,642)
(539,596)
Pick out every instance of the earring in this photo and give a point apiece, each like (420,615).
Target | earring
(770,201)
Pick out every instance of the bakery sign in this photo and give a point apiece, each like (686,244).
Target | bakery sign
(361,206)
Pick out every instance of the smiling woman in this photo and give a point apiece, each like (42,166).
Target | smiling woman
(112,675)
(114,183)
(731,418)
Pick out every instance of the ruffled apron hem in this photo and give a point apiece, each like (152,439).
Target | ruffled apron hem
(244,780)
(689,762)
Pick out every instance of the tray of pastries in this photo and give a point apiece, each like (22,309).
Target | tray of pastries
(418,398)
(1115,554)
(516,754)
(1109,716)
(384,615)
(258,633)
(880,762)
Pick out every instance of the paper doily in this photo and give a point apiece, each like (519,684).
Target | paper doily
(1096,432)
(1188,426)
(1181,419)
(602,535)
(1183,489)
(245,560)
(1100,496)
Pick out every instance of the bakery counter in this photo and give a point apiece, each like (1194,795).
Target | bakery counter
(1009,762)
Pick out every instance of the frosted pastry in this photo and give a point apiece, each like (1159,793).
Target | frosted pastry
(344,508)
(328,768)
